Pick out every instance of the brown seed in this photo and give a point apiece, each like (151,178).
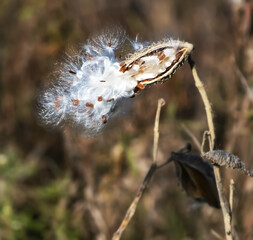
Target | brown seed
(136,90)
(58,99)
(161,57)
(72,72)
(100,98)
(141,70)
(104,119)
(123,63)
(102,80)
(139,87)
(75,102)
(123,68)
(89,104)
(56,105)
(90,56)
(165,59)
(110,100)
(179,54)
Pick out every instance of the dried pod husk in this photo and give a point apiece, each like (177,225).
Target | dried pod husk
(157,62)
(197,178)
(223,158)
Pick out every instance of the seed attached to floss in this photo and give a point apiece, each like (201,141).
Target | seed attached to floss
(161,57)
(75,102)
(110,100)
(139,87)
(56,103)
(89,104)
(100,98)
(56,106)
(104,119)
(58,99)
(122,64)
(72,72)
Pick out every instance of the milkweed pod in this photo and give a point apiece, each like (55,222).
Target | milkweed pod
(157,62)
(196,178)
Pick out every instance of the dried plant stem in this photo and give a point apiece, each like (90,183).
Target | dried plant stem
(231,194)
(161,103)
(217,235)
(132,208)
(192,136)
(244,82)
(208,108)
(227,216)
(102,230)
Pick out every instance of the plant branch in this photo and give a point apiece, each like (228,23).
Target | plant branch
(227,216)
(192,136)
(132,208)
(161,103)
(231,194)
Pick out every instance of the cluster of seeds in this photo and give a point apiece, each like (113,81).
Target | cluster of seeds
(91,84)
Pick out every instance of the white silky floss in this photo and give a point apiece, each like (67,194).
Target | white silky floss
(87,91)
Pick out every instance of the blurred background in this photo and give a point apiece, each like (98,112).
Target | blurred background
(55,184)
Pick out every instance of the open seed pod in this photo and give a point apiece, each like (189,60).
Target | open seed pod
(196,177)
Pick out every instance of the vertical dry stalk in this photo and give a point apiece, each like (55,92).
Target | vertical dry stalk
(231,194)
(132,208)
(161,103)
(227,216)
